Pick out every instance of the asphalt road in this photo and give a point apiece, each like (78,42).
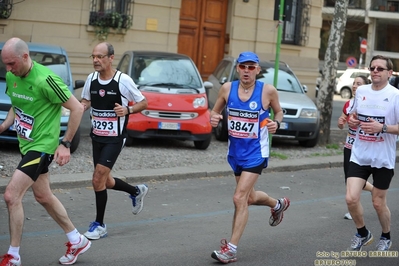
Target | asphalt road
(183,221)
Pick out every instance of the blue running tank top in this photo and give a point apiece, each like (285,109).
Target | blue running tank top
(246,123)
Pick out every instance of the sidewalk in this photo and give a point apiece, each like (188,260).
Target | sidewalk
(176,173)
(197,171)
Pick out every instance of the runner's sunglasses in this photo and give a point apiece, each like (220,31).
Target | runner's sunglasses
(379,69)
(249,67)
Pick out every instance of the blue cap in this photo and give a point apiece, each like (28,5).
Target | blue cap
(247,57)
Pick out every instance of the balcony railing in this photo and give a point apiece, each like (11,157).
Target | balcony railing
(385,6)
(353,4)
(375,5)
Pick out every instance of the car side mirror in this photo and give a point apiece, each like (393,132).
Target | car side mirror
(305,88)
(223,80)
(79,84)
(208,85)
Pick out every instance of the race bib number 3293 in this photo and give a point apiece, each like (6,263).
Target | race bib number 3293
(104,123)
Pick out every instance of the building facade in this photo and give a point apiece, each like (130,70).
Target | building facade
(373,20)
(207,30)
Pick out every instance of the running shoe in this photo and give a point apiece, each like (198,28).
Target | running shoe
(358,242)
(9,260)
(384,244)
(96,231)
(277,216)
(224,255)
(73,251)
(138,200)
(348,216)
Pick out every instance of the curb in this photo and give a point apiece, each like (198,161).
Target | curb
(75,180)
(65,181)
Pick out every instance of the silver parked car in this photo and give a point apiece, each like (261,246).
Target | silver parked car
(301,118)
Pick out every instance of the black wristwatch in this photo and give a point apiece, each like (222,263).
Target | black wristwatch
(67,144)
(278,124)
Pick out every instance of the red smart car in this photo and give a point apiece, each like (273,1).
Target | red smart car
(176,95)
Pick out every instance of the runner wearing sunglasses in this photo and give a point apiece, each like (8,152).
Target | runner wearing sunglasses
(375,114)
(248,102)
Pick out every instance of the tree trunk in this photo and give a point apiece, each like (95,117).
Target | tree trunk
(329,71)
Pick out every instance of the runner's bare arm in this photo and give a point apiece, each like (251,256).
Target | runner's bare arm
(342,120)
(270,99)
(220,104)
(86,104)
(76,112)
(8,121)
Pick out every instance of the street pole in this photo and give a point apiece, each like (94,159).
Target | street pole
(277,60)
(278,43)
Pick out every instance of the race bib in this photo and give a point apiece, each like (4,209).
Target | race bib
(104,123)
(23,124)
(375,137)
(350,138)
(243,123)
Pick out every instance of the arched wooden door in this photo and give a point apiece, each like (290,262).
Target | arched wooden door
(202,32)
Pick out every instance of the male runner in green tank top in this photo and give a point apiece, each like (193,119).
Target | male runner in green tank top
(37,95)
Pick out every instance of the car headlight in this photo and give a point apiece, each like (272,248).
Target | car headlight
(199,102)
(64,111)
(308,113)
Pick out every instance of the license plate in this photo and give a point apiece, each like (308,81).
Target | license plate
(170,126)
(283,125)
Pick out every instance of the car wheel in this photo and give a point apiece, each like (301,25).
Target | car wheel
(309,143)
(346,93)
(203,144)
(75,141)
(221,133)
(129,141)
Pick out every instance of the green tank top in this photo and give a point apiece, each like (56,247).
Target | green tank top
(37,101)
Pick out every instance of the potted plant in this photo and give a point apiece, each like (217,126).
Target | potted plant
(104,22)
(5,10)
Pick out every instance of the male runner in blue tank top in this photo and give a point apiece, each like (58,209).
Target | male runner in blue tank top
(248,101)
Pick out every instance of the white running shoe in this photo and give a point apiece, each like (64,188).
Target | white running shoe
(138,200)
(224,255)
(277,216)
(73,251)
(348,216)
(96,231)
(358,242)
(384,244)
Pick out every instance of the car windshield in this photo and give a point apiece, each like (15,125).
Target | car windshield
(177,72)
(285,81)
(56,62)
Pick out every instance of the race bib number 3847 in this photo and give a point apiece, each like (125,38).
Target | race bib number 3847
(243,123)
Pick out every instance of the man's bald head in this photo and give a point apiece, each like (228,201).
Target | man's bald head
(16,47)
(15,55)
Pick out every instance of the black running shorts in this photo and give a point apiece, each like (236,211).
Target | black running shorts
(35,163)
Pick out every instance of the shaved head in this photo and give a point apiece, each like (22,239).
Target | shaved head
(16,46)
(15,55)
